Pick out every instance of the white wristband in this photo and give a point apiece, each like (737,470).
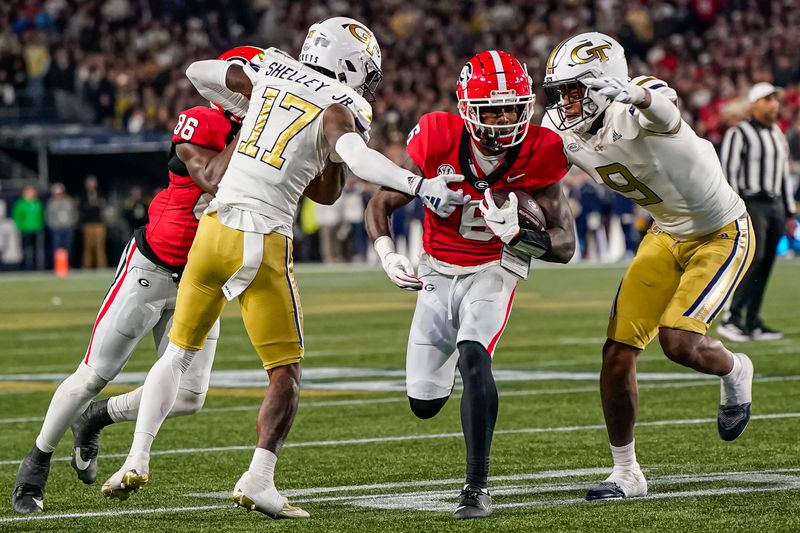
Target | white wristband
(384,245)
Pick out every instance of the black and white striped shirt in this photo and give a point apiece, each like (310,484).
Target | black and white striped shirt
(755,159)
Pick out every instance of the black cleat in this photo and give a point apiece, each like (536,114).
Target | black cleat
(28,495)
(86,440)
(474,503)
(732,420)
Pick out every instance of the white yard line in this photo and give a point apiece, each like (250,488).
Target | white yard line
(432,436)
(118,512)
(441,500)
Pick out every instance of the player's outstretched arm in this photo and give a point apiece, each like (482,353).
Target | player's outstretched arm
(327,187)
(205,166)
(656,112)
(223,83)
(379,209)
(340,131)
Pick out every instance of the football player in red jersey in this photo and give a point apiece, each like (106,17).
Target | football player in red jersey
(473,259)
(142,297)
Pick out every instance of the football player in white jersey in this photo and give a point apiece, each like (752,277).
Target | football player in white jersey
(301,116)
(629,135)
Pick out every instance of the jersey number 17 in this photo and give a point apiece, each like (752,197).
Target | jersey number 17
(286,101)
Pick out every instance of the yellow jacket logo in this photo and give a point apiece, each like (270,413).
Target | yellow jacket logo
(365,36)
(584,54)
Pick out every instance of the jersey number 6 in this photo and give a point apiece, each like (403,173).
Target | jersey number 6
(472,226)
(288,101)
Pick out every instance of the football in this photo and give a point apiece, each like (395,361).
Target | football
(531,215)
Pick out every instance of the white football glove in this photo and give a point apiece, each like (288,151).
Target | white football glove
(503,221)
(616,89)
(439,198)
(397,267)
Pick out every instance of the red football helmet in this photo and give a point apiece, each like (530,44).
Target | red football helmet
(495,79)
(242,55)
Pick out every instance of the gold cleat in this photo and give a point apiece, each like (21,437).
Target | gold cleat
(288,511)
(132,481)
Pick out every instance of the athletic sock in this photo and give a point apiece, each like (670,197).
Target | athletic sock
(125,407)
(262,468)
(624,456)
(478,410)
(732,383)
(159,393)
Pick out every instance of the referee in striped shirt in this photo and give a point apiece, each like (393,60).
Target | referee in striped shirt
(755,157)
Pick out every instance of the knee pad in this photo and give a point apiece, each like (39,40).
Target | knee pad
(187,403)
(85,379)
(425,409)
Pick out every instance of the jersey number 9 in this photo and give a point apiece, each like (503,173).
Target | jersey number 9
(630,188)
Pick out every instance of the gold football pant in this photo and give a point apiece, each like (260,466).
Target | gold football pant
(270,304)
(679,284)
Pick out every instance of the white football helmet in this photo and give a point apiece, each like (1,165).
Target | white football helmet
(348,51)
(570,104)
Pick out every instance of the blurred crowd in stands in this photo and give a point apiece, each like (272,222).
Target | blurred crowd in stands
(121,63)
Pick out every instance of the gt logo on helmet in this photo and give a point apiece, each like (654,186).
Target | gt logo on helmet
(596,52)
(365,36)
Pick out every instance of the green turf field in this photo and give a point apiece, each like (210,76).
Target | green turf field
(358,460)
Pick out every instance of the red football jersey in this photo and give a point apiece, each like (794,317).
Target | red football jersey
(175,211)
(440,144)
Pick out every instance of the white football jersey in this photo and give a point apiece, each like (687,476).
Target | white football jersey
(676,177)
(281,146)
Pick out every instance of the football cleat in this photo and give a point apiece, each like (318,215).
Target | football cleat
(474,502)
(735,402)
(86,441)
(732,332)
(131,482)
(267,501)
(764,333)
(621,484)
(28,495)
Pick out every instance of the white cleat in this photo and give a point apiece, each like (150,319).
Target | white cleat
(268,501)
(121,485)
(620,484)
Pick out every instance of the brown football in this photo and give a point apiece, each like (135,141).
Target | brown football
(531,215)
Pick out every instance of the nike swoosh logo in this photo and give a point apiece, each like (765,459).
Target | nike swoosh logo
(39,503)
(79,462)
(515,178)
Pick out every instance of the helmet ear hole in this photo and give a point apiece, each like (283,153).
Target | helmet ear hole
(350,66)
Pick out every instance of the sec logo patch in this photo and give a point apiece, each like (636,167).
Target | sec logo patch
(445,169)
